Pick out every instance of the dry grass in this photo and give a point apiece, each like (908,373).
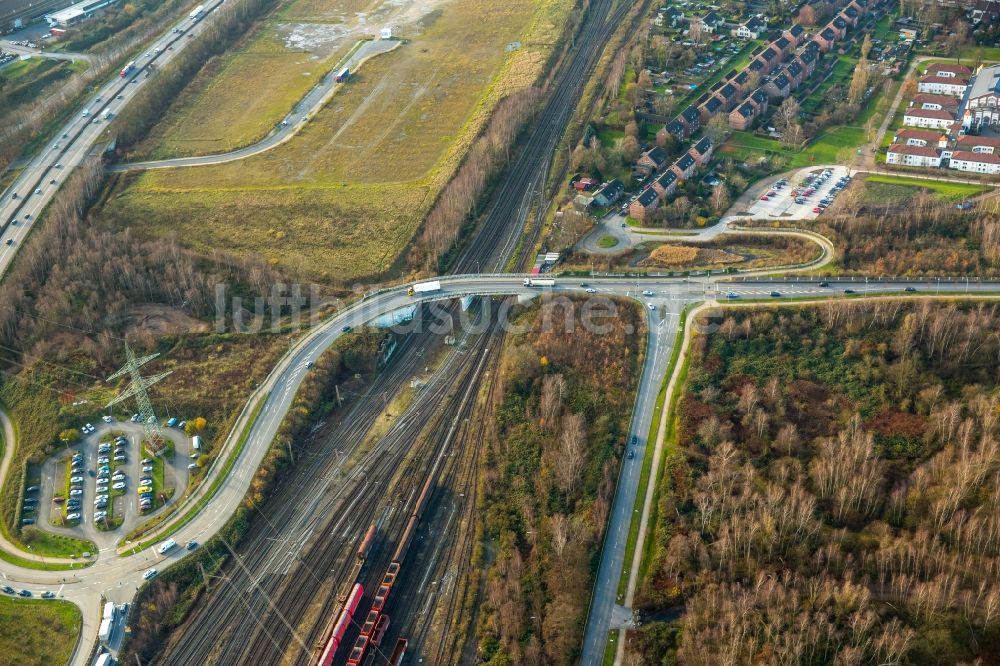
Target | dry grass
(343,198)
(238,98)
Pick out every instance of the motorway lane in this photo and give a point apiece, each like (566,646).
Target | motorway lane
(74,140)
(118,577)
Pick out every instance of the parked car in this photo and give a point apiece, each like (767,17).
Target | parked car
(72,517)
(119,486)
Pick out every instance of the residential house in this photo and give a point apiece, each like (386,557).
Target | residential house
(771,58)
(984,163)
(783,45)
(691,119)
(920,137)
(948,70)
(711,107)
(673,17)
(915,156)
(644,204)
(851,15)
(684,167)
(609,193)
(752,29)
(808,60)
(979,144)
(759,100)
(702,151)
(943,85)
(742,117)
(665,184)
(839,26)
(982,104)
(712,22)
(740,80)
(796,34)
(928,118)
(825,39)
(674,128)
(585,184)
(795,73)
(778,86)
(652,160)
(729,95)
(935,102)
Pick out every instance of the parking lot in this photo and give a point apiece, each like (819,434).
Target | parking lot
(91,490)
(802,196)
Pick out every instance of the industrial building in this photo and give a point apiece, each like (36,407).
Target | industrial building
(75,13)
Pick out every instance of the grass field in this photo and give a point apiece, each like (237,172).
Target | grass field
(824,149)
(36,631)
(25,80)
(904,186)
(343,198)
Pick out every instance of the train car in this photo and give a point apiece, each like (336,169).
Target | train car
(380,598)
(358,651)
(366,543)
(343,622)
(369,626)
(398,652)
(380,628)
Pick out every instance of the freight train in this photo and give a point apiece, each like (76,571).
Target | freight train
(343,622)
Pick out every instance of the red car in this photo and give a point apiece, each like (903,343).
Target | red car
(764,198)
(816,210)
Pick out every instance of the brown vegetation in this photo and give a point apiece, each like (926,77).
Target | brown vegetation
(834,495)
(558,428)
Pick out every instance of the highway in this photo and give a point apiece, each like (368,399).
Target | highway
(25,199)
(118,577)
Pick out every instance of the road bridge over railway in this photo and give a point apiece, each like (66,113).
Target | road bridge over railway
(117,575)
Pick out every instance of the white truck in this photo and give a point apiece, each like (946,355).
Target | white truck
(104,633)
(167,546)
(425,287)
(536,282)
(109,611)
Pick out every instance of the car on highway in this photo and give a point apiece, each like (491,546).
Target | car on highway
(910,289)
(48,594)
(191,545)
(347,329)
(38,190)
(8,589)
(775,294)
(849,291)
(591,290)
(24,593)
(631,454)
(150,573)
(732,294)
(647,293)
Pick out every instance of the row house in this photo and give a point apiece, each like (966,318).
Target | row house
(783,45)
(979,144)
(839,27)
(970,162)
(644,204)
(609,193)
(702,151)
(652,160)
(851,15)
(914,156)
(795,35)
(742,117)
(943,85)
(778,86)
(684,167)
(665,184)
(795,73)
(825,39)
(920,137)
(712,106)
(935,102)
(928,118)
(948,70)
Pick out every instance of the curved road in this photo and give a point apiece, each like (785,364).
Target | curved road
(312,102)
(117,578)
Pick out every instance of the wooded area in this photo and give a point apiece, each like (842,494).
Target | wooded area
(834,494)
(558,432)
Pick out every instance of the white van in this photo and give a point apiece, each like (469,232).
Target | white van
(167,546)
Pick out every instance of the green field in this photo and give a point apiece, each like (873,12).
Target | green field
(946,190)
(35,631)
(822,150)
(25,80)
(343,199)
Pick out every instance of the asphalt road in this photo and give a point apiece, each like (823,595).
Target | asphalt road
(117,578)
(72,143)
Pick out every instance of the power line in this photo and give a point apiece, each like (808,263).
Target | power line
(138,389)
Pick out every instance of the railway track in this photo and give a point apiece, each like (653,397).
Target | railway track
(255,616)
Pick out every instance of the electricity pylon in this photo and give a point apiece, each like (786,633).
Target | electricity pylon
(138,389)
